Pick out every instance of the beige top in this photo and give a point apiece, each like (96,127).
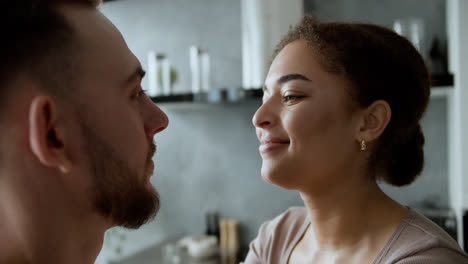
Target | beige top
(417,240)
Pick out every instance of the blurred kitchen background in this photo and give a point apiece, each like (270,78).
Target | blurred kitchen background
(207,161)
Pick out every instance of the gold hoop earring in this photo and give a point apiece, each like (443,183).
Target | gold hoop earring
(363,145)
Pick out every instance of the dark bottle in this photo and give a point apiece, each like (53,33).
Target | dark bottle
(212,224)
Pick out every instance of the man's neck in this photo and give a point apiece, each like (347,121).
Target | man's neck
(43,228)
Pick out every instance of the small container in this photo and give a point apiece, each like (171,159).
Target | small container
(234,94)
(166,76)
(200,68)
(205,71)
(411,28)
(172,253)
(212,227)
(154,68)
(194,52)
(214,96)
(229,241)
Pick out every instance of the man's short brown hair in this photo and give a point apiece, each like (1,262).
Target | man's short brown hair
(40,44)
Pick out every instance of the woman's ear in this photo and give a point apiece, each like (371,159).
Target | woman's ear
(44,137)
(375,119)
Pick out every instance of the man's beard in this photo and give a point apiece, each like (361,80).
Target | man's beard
(118,192)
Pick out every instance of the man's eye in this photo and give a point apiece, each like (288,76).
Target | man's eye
(138,94)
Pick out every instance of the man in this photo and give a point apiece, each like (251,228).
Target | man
(76,133)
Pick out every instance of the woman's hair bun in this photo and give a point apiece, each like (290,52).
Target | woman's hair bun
(401,162)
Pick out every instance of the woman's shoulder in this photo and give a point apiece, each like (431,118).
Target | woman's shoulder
(419,228)
(276,237)
(419,240)
(292,216)
(286,225)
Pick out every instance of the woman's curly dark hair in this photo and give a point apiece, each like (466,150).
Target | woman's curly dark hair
(379,65)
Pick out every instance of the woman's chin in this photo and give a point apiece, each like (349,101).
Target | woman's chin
(281,180)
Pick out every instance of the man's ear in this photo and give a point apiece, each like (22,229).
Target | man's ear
(45,139)
(375,119)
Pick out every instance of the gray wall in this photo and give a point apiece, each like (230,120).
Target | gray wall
(208,157)
(384,13)
(172,26)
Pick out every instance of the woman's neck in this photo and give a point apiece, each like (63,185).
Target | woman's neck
(349,215)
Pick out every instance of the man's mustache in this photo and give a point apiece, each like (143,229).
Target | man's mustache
(151,151)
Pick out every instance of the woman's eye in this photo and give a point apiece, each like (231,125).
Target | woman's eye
(288,98)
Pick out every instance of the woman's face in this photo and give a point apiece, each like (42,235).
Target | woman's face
(306,125)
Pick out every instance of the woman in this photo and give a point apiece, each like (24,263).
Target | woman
(341,110)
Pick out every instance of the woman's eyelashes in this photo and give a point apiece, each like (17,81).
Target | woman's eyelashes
(288,98)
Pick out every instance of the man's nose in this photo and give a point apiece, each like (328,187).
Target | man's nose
(155,120)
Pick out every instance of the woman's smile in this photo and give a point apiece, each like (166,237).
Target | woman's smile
(270,144)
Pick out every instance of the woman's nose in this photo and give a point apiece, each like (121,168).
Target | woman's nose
(264,116)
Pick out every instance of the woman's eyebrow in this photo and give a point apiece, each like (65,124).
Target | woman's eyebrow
(293,76)
(288,77)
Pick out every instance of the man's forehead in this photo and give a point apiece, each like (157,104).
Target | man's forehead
(102,44)
(86,20)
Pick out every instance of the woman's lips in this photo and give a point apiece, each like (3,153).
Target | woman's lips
(270,145)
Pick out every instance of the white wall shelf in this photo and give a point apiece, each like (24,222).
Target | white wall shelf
(441,92)
(457,21)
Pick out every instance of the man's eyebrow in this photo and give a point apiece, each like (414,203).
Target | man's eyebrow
(289,77)
(138,73)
